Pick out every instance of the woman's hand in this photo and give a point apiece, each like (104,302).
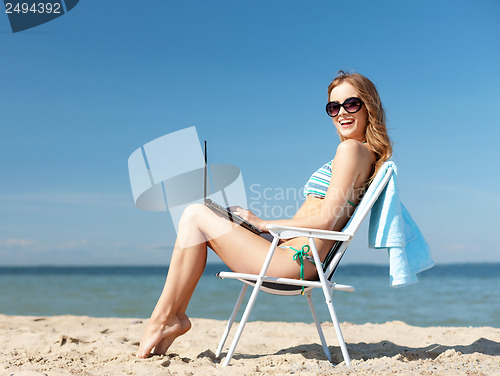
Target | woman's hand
(248,216)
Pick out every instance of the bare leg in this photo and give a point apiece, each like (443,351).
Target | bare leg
(240,249)
(168,320)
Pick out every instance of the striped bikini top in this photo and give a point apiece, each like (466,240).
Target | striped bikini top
(318,183)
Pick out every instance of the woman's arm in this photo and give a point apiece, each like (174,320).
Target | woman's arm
(351,167)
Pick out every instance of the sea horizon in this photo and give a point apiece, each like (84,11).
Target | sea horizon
(378,264)
(443,297)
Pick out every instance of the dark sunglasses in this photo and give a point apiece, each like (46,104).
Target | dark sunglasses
(351,105)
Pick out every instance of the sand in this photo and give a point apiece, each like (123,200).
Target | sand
(78,345)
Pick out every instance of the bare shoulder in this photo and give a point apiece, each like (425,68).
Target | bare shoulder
(355,156)
(350,146)
(353,149)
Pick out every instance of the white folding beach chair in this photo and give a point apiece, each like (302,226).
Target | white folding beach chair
(287,286)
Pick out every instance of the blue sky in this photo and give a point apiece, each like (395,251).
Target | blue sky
(79,94)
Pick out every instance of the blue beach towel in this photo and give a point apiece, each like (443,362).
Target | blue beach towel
(392,227)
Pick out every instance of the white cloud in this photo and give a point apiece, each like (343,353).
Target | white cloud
(68,246)
(489,196)
(36,246)
(16,242)
(159,246)
(71,198)
(460,247)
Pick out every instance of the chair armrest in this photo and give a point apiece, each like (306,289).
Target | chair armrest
(287,232)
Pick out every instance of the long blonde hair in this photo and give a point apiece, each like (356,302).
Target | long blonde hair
(376,135)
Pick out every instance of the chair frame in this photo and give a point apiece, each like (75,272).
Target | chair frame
(272,284)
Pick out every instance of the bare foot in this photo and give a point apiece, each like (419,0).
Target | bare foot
(162,347)
(158,331)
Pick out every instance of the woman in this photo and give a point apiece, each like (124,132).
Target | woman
(332,194)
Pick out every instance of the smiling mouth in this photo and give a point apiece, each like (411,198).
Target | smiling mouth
(346,123)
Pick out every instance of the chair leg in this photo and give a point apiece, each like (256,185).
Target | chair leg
(336,325)
(318,327)
(251,301)
(327,292)
(231,320)
(242,323)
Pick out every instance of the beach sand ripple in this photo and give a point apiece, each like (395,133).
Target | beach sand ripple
(79,345)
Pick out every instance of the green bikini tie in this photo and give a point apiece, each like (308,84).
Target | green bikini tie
(300,255)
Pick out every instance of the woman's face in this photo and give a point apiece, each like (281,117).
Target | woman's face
(350,126)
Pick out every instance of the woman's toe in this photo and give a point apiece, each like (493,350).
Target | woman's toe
(162,347)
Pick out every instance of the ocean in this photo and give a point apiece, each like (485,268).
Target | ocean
(447,295)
